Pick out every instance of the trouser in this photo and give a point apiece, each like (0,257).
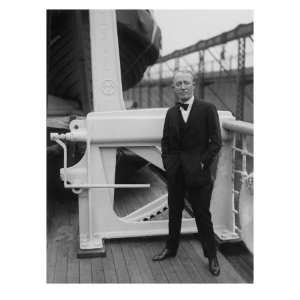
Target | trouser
(199,198)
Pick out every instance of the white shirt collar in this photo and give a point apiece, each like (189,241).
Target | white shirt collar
(190,101)
(185,113)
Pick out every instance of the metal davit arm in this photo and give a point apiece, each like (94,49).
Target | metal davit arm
(57,138)
(140,131)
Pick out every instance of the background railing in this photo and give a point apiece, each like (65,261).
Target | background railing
(243,160)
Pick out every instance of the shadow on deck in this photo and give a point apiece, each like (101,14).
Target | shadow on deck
(130,260)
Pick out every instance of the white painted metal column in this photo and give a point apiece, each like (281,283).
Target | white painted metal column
(105,60)
(107,96)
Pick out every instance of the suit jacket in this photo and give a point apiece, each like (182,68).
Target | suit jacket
(200,143)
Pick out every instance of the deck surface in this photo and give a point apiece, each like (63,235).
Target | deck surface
(129,260)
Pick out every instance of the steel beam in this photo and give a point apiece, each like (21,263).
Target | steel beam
(241,79)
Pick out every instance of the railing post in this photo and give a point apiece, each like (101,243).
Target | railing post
(240,155)
(244,157)
(240,162)
(240,79)
(177,64)
(234,191)
(230,63)
(201,74)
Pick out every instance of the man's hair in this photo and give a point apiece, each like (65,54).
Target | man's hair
(186,71)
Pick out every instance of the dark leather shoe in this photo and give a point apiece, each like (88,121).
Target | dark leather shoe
(214,267)
(164,254)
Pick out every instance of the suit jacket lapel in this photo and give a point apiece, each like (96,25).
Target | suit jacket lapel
(192,114)
(176,120)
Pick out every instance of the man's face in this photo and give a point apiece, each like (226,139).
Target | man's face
(183,85)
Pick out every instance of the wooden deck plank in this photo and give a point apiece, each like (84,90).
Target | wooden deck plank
(85,270)
(189,263)
(132,265)
(130,260)
(177,269)
(110,274)
(193,262)
(193,275)
(98,270)
(156,268)
(240,258)
(61,233)
(72,262)
(242,267)
(227,275)
(121,268)
(165,265)
(169,271)
(142,262)
(181,272)
(51,259)
(60,272)
(58,235)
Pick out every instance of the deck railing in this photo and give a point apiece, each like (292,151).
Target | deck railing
(242,165)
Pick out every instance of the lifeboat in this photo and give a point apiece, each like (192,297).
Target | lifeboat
(69,59)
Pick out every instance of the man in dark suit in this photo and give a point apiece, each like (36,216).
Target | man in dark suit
(191,141)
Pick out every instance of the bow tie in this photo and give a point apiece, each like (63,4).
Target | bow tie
(183,105)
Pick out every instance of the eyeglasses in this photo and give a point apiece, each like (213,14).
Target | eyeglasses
(179,84)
